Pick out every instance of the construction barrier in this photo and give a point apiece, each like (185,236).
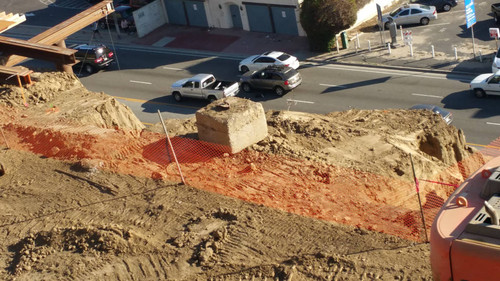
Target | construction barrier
(327,192)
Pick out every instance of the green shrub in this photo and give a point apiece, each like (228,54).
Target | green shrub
(322,19)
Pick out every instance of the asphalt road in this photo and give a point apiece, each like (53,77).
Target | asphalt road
(144,80)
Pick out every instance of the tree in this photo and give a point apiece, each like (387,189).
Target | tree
(322,19)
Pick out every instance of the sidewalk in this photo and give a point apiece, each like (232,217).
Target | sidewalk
(244,43)
(240,43)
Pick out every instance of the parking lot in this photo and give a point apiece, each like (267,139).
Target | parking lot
(444,34)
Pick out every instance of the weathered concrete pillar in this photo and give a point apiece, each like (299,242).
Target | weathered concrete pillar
(234,122)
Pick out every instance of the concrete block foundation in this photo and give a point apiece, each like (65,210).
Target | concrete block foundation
(233,122)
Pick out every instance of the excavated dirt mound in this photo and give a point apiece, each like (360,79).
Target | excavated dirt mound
(87,194)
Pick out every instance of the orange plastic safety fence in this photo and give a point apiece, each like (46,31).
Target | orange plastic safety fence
(327,192)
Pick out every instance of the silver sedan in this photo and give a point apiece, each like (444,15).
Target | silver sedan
(410,14)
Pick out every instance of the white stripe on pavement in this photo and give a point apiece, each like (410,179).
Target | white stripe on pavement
(302,101)
(491,123)
(389,72)
(429,96)
(141,82)
(331,85)
(172,68)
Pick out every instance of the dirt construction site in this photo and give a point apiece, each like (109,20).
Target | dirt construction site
(87,192)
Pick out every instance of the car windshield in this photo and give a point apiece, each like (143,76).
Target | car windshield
(395,12)
(284,57)
(441,111)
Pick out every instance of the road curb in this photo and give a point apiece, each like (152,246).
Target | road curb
(353,58)
(371,65)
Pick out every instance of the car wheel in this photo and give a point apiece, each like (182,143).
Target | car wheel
(102,25)
(246,87)
(88,68)
(244,69)
(496,18)
(177,96)
(387,25)
(424,21)
(279,91)
(212,98)
(479,93)
(446,7)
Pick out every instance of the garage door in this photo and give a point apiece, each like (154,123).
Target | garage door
(259,18)
(196,13)
(284,20)
(175,12)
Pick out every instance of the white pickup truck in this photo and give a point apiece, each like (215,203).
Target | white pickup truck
(204,86)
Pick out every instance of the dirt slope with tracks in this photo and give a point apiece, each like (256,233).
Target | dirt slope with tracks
(81,197)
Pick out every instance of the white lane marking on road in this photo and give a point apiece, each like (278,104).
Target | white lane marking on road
(331,85)
(140,82)
(444,23)
(491,123)
(429,96)
(297,101)
(172,68)
(390,72)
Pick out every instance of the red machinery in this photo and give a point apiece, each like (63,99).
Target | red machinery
(465,236)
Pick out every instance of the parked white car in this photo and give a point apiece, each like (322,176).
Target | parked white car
(257,62)
(495,66)
(410,14)
(486,84)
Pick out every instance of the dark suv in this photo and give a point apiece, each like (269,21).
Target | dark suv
(441,5)
(280,79)
(93,57)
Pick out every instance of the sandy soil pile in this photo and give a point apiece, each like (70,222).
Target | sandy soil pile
(103,204)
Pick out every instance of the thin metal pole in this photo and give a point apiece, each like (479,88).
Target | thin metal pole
(419,201)
(382,39)
(337,43)
(171,148)
(473,45)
